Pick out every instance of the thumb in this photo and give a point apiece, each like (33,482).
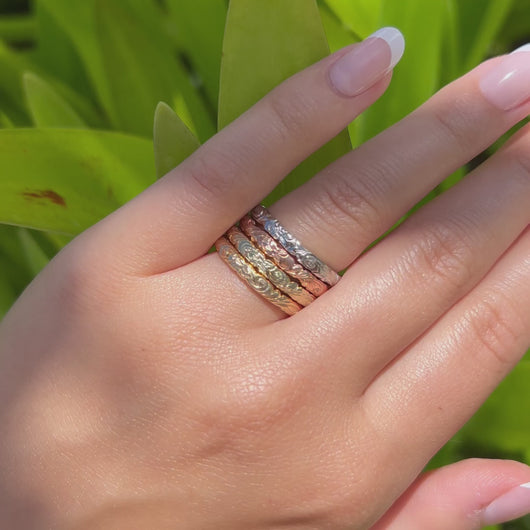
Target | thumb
(468,495)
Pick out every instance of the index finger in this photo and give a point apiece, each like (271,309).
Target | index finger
(178,218)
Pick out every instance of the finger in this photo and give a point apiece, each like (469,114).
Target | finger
(463,496)
(360,196)
(438,383)
(178,218)
(408,281)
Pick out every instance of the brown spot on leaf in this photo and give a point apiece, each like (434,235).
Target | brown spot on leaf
(110,193)
(49,195)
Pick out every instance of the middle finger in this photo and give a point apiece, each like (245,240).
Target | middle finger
(401,287)
(361,195)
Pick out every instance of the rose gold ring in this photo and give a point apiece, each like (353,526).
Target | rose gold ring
(254,279)
(268,268)
(274,251)
(304,256)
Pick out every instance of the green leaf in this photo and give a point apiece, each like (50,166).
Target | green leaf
(526,357)
(449,453)
(47,107)
(451,59)
(70,31)
(10,247)
(11,100)
(141,74)
(479,24)
(360,16)
(5,122)
(17,28)
(66,180)
(417,76)
(36,258)
(153,18)
(7,293)
(515,29)
(451,180)
(173,141)
(59,46)
(199,25)
(13,264)
(13,66)
(57,241)
(503,422)
(338,34)
(127,55)
(86,110)
(265,42)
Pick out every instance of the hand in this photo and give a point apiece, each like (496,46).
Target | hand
(144,385)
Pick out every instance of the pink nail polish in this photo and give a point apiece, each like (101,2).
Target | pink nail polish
(366,63)
(508,84)
(513,504)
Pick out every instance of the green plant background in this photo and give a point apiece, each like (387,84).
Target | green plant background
(81,83)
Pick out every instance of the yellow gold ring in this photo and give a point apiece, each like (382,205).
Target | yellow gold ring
(274,251)
(268,268)
(293,246)
(256,281)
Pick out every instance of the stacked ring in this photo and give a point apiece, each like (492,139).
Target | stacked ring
(255,280)
(293,246)
(281,257)
(273,262)
(268,268)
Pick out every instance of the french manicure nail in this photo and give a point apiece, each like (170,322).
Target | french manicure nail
(508,84)
(513,504)
(366,63)
(523,48)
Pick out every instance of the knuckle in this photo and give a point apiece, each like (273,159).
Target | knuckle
(349,203)
(521,158)
(459,120)
(494,323)
(255,402)
(442,255)
(243,407)
(84,283)
(213,174)
(290,110)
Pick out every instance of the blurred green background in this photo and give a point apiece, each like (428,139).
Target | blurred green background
(82,130)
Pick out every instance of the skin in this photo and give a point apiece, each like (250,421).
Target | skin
(143,385)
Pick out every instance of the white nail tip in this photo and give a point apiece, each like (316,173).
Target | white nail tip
(527,484)
(395,40)
(523,48)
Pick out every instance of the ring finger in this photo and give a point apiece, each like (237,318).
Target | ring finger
(176,220)
(358,197)
(398,289)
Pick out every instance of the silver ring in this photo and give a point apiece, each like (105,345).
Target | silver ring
(268,268)
(306,258)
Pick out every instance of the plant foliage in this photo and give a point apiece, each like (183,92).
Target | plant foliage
(81,82)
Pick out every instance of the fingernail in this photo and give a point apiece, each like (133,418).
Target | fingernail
(508,84)
(513,504)
(367,62)
(523,48)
